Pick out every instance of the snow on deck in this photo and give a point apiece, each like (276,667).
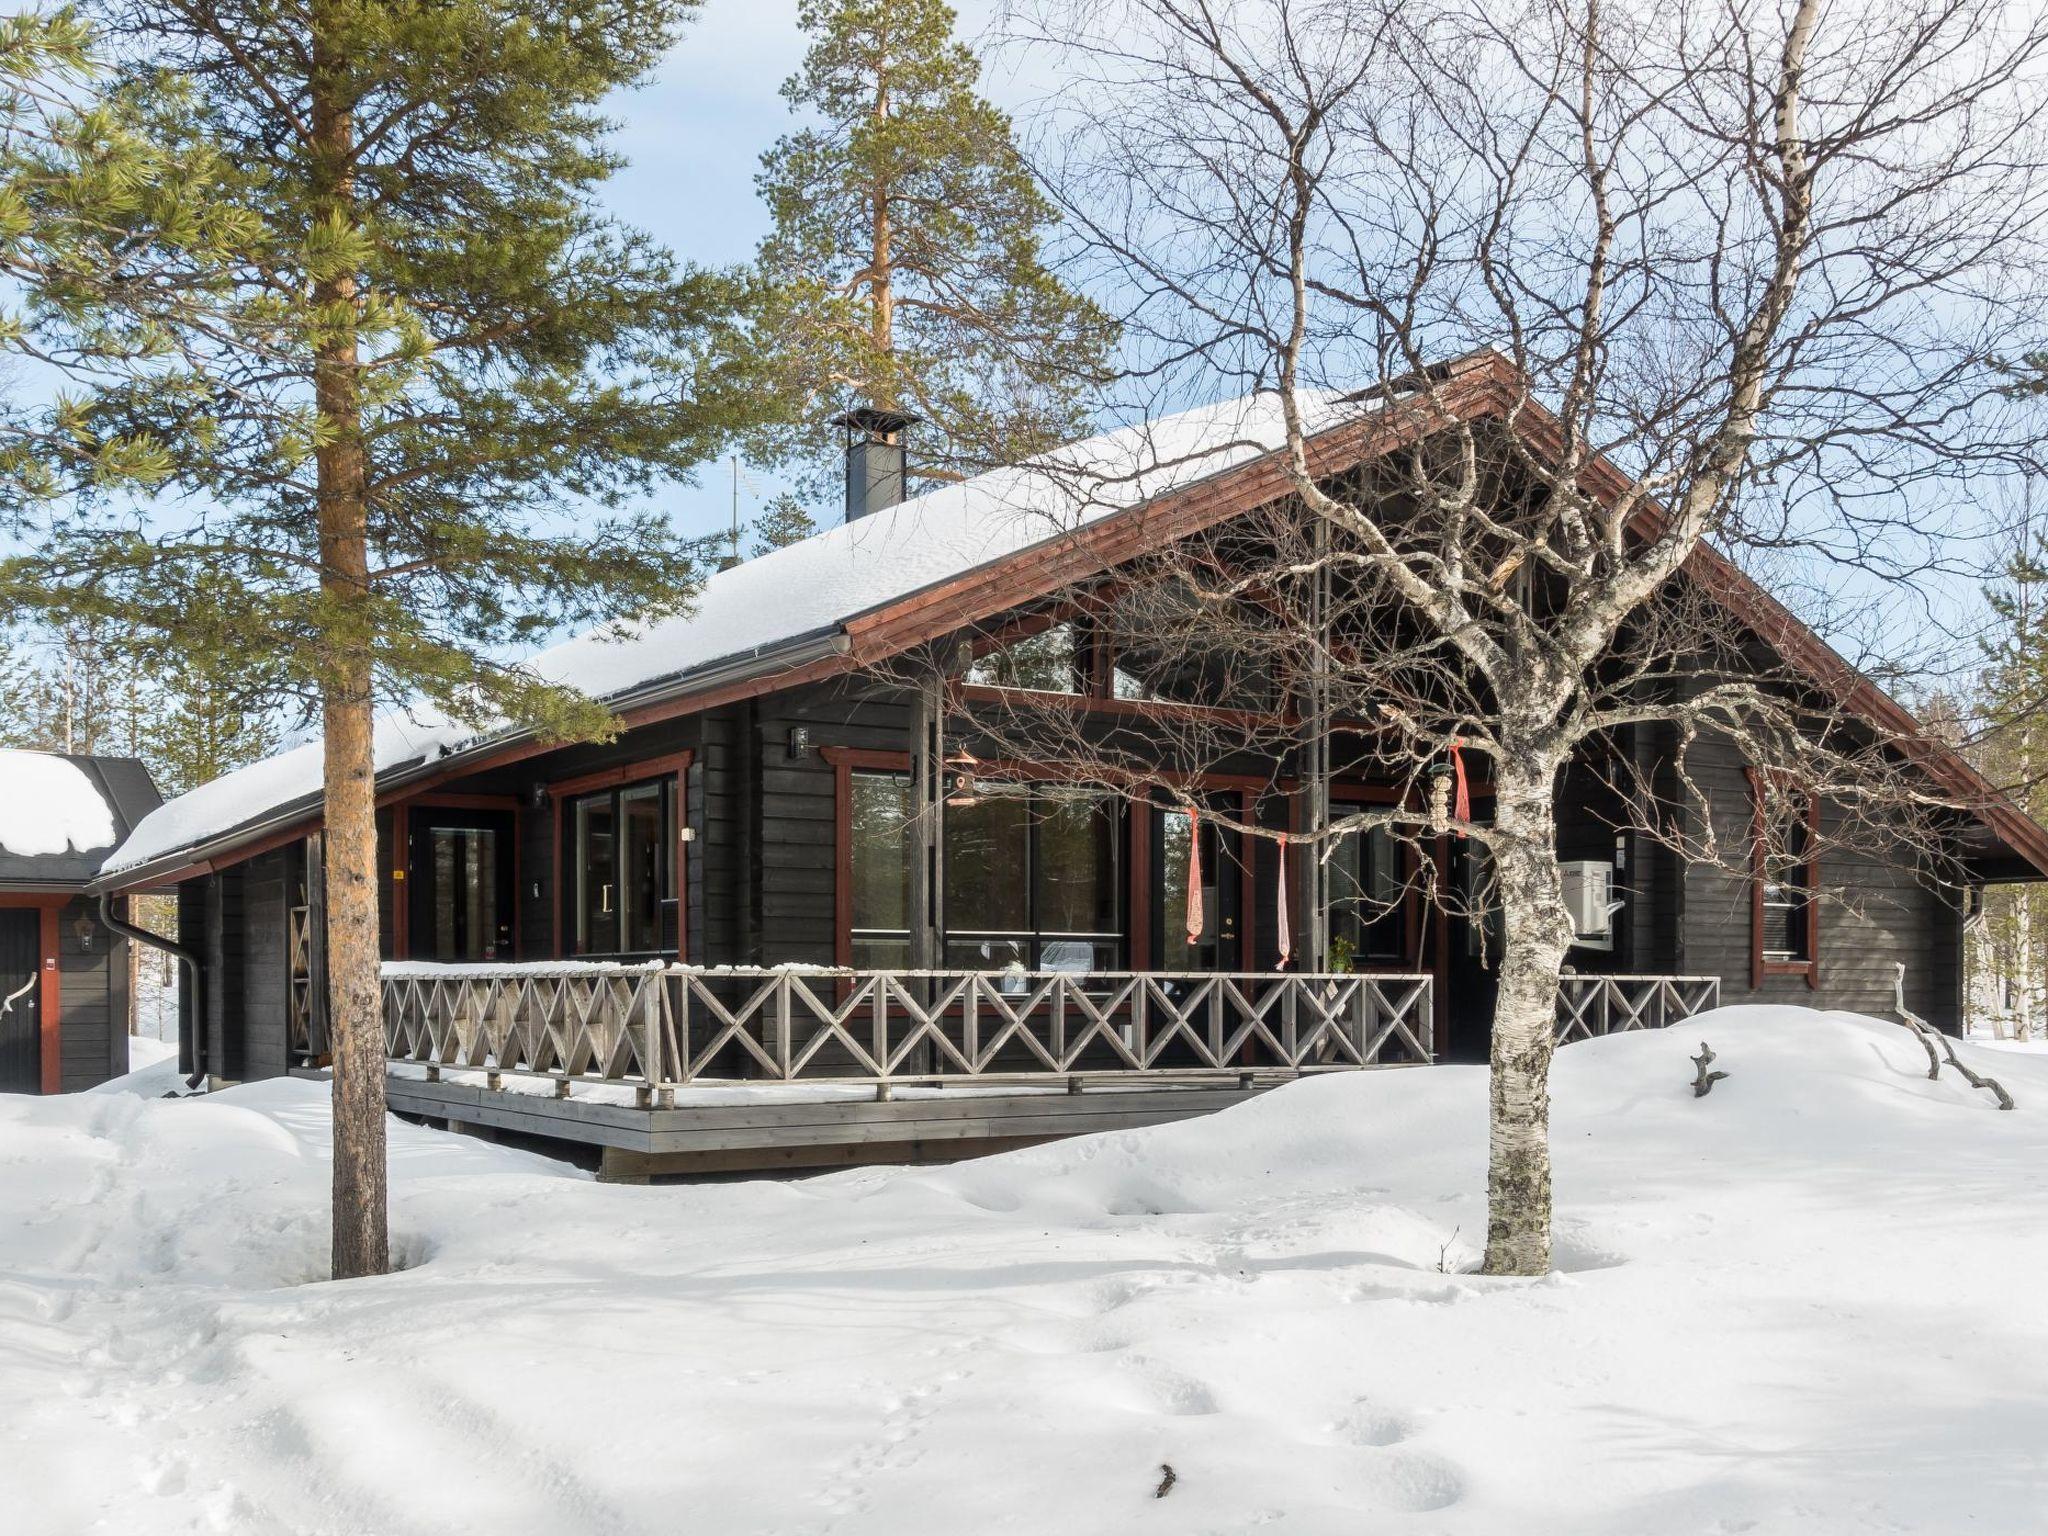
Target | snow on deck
(809,587)
(49,805)
(1806,1305)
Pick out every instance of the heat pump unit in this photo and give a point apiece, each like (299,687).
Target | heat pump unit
(1589,896)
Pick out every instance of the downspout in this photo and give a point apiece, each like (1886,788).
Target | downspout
(193,1030)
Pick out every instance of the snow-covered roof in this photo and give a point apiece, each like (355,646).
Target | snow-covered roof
(809,588)
(60,813)
(48,805)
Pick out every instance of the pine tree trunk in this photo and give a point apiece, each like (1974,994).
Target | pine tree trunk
(355,1014)
(1536,932)
(882,270)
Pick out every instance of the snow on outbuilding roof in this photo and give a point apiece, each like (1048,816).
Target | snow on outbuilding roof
(48,805)
(812,588)
(60,812)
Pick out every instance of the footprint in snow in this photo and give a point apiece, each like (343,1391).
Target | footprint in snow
(1415,1481)
(1366,1424)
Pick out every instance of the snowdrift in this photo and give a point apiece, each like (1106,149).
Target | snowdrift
(1802,1304)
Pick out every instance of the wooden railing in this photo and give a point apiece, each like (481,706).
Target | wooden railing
(662,1027)
(1610,1005)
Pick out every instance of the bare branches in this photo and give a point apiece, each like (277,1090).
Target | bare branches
(1612,284)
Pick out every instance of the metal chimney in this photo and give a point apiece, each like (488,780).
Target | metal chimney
(877,465)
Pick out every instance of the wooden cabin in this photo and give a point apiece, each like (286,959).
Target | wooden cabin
(63,972)
(707,943)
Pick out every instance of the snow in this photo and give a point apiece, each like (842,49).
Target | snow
(1805,1305)
(48,805)
(812,586)
(152,1070)
(443,970)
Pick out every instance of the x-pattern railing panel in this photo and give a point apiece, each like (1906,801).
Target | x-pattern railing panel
(603,1023)
(660,1027)
(1590,1006)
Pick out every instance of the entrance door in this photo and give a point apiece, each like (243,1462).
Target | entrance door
(21,1045)
(460,874)
(1220,945)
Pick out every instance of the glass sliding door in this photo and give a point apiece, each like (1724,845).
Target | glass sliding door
(594,873)
(1076,885)
(642,868)
(988,897)
(620,861)
(460,867)
(1032,878)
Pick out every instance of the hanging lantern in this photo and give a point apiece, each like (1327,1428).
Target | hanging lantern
(960,769)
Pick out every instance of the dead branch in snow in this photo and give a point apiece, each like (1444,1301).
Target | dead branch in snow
(1929,1036)
(1702,1080)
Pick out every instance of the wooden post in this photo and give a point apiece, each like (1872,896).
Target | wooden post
(782,1040)
(927,915)
(927,825)
(49,1001)
(1315,952)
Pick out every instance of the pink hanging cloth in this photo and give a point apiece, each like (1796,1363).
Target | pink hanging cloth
(1194,914)
(1286,934)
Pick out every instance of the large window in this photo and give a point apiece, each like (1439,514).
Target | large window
(1031,879)
(1169,647)
(1785,875)
(880,838)
(621,861)
(1051,661)
(1158,644)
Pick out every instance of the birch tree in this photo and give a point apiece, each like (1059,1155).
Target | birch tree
(1741,274)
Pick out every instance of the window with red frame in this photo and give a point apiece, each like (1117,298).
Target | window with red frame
(1784,879)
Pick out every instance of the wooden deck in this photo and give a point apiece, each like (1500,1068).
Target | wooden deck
(670,1069)
(802,1128)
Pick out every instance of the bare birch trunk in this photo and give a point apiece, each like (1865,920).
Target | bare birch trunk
(1536,932)
(361,1238)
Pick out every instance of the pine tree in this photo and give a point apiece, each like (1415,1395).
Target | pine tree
(782,523)
(200,726)
(68,688)
(99,182)
(906,261)
(413,410)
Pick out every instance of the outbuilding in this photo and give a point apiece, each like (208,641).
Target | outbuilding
(63,974)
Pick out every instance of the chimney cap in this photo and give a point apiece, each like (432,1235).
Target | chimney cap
(874,421)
